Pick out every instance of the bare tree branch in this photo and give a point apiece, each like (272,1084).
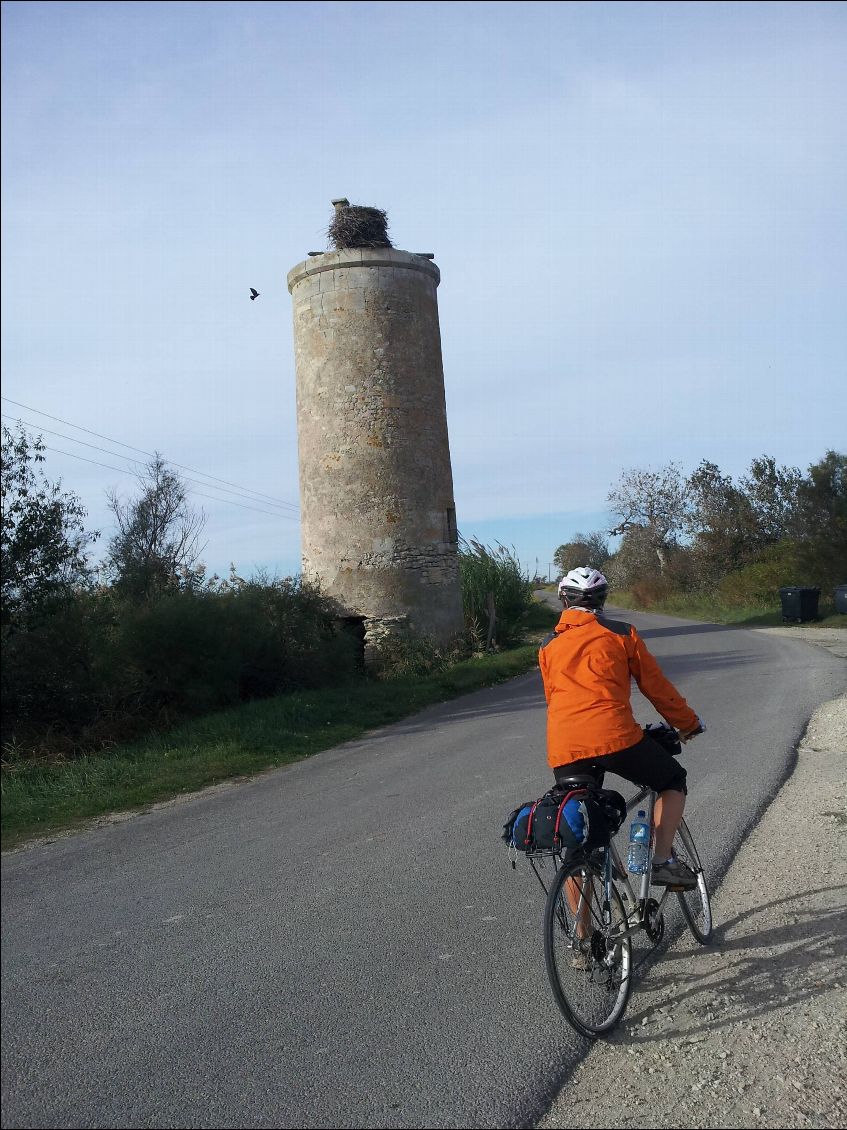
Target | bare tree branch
(158,538)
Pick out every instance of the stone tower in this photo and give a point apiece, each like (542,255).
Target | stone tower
(376,486)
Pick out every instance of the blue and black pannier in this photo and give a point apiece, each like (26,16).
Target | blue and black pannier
(566,820)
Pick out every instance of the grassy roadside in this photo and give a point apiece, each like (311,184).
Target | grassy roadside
(46,797)
(694,607)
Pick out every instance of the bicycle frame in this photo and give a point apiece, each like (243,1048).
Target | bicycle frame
(635,896)
(634,890)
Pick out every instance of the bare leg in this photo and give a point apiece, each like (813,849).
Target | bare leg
(580,906)
(670,806)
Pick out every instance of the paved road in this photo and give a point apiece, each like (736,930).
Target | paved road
(342,942)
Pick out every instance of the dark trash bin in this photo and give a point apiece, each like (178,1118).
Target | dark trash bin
(799,603)
(841,598)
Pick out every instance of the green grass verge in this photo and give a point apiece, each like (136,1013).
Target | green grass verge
(39,798)
(695,607)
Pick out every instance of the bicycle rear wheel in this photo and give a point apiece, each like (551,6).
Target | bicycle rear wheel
(695,903)
(589,960)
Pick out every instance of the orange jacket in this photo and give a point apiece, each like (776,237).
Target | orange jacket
(586,668)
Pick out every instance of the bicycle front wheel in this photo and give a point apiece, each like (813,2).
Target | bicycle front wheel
(695,903)
(588,952)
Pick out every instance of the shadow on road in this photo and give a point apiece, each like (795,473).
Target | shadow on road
(522,693)
(677,665)
(685,630)
(757,963)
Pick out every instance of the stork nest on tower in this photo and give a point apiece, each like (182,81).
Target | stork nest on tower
(355,225)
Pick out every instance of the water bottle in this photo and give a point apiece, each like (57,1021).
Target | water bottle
(639,844)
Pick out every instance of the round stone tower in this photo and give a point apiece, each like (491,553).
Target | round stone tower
(376,486)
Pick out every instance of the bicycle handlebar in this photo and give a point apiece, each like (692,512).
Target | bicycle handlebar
(675,736)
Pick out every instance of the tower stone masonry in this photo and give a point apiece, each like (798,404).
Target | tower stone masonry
(378,518)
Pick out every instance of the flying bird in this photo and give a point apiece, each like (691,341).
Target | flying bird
(254,294)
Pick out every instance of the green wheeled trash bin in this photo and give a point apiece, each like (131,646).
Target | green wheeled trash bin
(799,603)
(841,598)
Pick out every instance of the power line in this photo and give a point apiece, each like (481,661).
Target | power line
(199,494)
(106,451)
(211,497)
(151,455)
(29,424)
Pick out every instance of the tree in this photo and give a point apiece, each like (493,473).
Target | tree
(822,509)
(655,503)
(43,539)
(721,522)
(822,497)
(772,493)
(585,549)
(635,559)
(157,545)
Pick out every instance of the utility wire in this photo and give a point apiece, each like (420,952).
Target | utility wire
(151,455)
(124,471)
(106,451)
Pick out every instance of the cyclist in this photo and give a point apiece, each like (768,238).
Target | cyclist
(586,666)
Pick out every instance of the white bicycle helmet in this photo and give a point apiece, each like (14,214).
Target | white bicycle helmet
(584,588)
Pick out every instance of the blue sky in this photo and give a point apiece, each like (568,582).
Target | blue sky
(638,211)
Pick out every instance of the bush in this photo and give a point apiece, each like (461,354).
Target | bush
(496,574)
(42,538)
(399,657)
(759,583)
(51,673)
(647,593)
(193,652)
(98,668)
(824,559)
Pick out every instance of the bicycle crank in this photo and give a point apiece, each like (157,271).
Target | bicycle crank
(654,921)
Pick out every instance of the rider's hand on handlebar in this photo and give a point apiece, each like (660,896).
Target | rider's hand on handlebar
(689,734)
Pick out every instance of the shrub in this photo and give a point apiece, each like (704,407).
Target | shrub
(100,668)
(51,674)
(192,652)
(42,538)
(647,593)
(759,583)
(399,656)
(488,574)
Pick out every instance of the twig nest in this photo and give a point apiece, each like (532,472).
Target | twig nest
(355,225)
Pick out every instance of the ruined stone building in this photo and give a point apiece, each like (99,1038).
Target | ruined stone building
(376,486)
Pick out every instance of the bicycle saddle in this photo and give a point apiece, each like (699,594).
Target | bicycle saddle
(576,780)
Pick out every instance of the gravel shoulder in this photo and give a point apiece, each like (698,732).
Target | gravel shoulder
(749,1031)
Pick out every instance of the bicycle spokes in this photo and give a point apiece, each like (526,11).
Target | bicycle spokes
(588,949)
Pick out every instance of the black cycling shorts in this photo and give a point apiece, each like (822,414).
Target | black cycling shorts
(646,763)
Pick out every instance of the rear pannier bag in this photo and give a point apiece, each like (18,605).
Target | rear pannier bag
(566,820)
